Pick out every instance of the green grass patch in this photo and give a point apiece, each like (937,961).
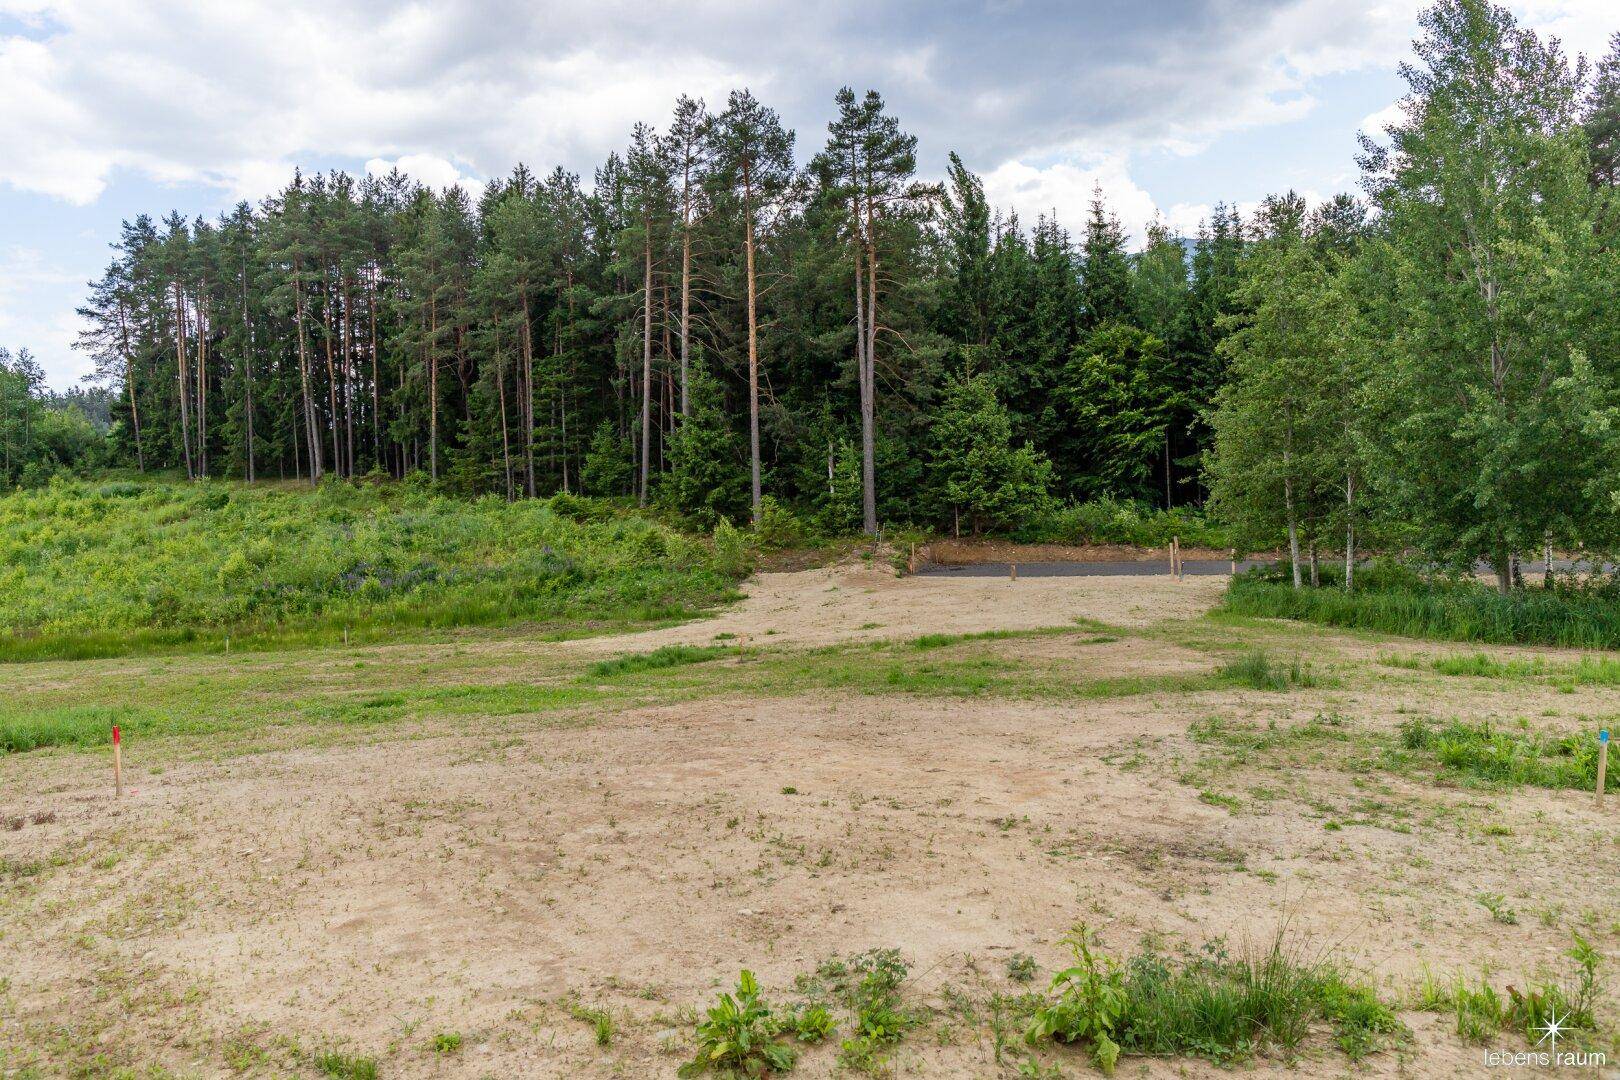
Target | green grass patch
(1257,670)
(1506,756)
(1454,611)
(667,656)
(88,570)
(1212,1004)
(1587,671)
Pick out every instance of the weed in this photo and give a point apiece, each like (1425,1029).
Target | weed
(446,1042)
(1021,967)
(1257,670)
(345,1067)
(739,1037)
(1497,905)
(1509,757)
(1209,1004)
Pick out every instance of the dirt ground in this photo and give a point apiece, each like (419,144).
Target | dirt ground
(491,877)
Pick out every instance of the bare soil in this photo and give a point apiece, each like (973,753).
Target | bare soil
(486,876)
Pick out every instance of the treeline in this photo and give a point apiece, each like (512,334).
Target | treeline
(1443,373)
(43,432)
(703,325)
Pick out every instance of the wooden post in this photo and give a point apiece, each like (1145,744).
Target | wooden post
(1012,569)
(1603,764)
(1234,562)
(911,560)
(118,764)
(1175,556)
(1172,557)
(227,644)
(345,637)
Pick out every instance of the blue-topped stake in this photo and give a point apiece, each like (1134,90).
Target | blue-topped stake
(1603,763)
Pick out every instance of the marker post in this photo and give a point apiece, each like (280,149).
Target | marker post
(1603,764)
(118,764)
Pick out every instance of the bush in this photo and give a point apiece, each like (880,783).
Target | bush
(1114,521)
(778,528)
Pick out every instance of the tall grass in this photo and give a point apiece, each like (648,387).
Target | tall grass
(98,570)
(1462,611)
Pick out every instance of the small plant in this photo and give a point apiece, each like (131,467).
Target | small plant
(1258,671)
(447,1042)
(813,1024)
(343,1067)
(739,1037)
(1497,905)
(1021,967)
(1091,1000)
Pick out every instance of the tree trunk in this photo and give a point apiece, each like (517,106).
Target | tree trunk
(129,384)
(753,350)
(1349,531)
(1293,527)
(526,413)
(646,356)
(202,383)
(312,432)
(686,309)
(433,390)
(185,391)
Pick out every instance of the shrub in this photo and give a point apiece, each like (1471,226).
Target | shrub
(778,527)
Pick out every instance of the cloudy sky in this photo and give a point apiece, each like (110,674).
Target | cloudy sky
(109,108)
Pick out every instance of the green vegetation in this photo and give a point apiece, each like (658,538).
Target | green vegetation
(1256,669)
(113,568)
(739,1038)
(1482,1012)
(1107,520)
(1587,671)
(1449,610)
(1211,1004)
(666,656)
(345,1066)
(1482,750)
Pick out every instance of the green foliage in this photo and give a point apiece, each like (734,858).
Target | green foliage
(610,467)
(96,570)
(778,527)
(1482,750)
(1210,1004)
(1107,520)
(345,1066)
(738,1039)
(1481,1012)
(813,1024)
(982,478)
(446,1042)
(1456,611)
(1257,670)
(707,481)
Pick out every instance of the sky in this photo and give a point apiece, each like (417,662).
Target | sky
(111,108)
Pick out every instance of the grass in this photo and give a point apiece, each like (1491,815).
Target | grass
(1256,669)
(1481,1012)
(1453,611)
(1482,750)
(666,657)
(1587,671)
(1211,1003)
(91,570)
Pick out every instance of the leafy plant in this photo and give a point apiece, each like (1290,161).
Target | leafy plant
(1090,1003)
(739,1037)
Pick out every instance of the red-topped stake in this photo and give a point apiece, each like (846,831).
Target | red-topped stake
(118,764)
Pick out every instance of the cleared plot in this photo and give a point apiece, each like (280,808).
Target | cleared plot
(512,857)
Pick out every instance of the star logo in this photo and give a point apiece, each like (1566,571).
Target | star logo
(1551,1029)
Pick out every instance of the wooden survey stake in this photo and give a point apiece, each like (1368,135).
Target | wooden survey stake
(118,764)
(1603,763)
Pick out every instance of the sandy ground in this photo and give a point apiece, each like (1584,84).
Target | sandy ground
(480,876)
(855,603)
